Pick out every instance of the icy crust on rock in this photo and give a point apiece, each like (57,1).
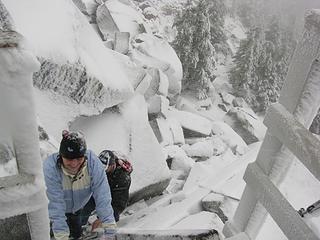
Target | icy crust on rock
(70,41)
(73,80)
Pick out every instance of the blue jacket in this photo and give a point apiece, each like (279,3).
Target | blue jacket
(67,195)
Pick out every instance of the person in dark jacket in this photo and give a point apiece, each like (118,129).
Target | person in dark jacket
(118,170)
(76,185)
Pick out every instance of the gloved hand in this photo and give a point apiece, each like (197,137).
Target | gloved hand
(105,230)
(61,236)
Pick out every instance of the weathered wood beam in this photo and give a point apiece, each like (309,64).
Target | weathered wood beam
(277,205)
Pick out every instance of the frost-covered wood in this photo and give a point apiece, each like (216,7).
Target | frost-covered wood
(23,193)
(295,137)
(298,93)
(277,205)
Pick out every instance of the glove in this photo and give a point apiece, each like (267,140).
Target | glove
(104,230)
(61,236)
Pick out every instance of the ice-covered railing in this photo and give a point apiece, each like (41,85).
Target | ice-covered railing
(287,134)
(22,190)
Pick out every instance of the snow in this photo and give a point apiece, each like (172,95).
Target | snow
(126,18)
(128,131)
(69,37)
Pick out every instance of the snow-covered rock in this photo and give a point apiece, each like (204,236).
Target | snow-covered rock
(73,58)
(227,98)
(175,186)
(202,150)
(158,104)
(158,85)
(161,130)
(247,125)
(176,131)
(106,23)
(193,125)
(239,102)
(179,159)
(127,130)
(201,220)
(121,42)
(230,137)
(125,18)
(152,51)
(212,203)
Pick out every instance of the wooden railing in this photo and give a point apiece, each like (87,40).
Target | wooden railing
(287,134)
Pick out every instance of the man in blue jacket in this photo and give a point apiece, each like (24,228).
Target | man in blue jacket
(76,185)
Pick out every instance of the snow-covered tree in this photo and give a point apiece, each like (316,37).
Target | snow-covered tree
(260,65)
(194,48)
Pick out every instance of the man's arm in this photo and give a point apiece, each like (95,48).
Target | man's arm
(57,205)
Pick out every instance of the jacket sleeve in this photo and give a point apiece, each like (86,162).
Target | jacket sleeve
(57,205)
(101,191)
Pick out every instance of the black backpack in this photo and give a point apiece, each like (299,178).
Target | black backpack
(119,179)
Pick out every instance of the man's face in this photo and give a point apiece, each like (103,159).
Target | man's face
(72,165)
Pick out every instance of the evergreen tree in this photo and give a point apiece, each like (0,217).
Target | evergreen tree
(194,48)
(260,67)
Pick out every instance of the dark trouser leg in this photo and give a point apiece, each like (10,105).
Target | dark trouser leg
(76,220)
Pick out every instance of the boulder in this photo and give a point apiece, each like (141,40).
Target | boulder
(230,137)
(193,125)
(226,98)
(144,5)
(212,203)
(162,131)
(179,159)
(144,84)
(121,42)
(158,85)
(175,186)
(239,102)
(105,22)
(156,52)
(201,150)
(223,107)
(150,13)
(158,105)
(128,131)
(75,82)
(126,17)
(248,126)
(176,131)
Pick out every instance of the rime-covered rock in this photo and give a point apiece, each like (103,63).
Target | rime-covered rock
(212,203)
(150,13)
(74,81)
(239,102)
(158,105)
(158,85)
(162,131)
(121,42)
(247,125)
(230,137)
(179,160)
(226,98)
(193,125)
(126,18)
(106,23)
(152,51)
